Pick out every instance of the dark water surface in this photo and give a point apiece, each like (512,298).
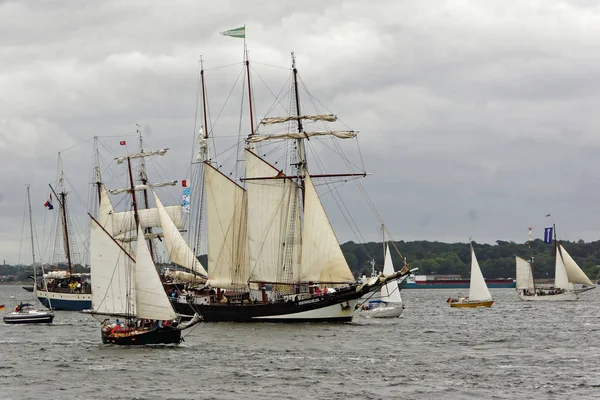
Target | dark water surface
(515,350)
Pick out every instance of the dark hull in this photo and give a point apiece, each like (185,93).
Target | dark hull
(335,307)
(28,319)
(65,301)
(156,336)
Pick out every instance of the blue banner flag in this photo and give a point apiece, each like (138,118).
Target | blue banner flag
(548,235)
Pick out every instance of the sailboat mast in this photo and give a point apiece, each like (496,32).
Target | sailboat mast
(247,62)
(31,227)
(531,261)
(97,169)
(299,142)
(204,98)
(144,180)
(63,208)
(135,208)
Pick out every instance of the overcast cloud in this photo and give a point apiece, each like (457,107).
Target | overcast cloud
(476,118)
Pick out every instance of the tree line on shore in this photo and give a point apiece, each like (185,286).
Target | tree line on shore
(496,261)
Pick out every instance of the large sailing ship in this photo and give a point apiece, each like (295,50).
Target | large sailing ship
(63,289)
(125,278)
(272,253)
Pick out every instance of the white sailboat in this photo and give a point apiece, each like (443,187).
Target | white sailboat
(27,313)
(479,294)
(127,286)
(566,274)
(388,302)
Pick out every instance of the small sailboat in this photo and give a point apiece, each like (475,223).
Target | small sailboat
(388,302)
(26,313)
(479,294)
(128,286)
(566,274)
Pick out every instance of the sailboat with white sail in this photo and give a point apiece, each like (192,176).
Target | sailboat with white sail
(272,253)
(567,274)
(479,294)
(387,303)
(126,282)
(27,313)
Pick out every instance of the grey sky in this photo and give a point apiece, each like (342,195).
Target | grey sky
(476,118)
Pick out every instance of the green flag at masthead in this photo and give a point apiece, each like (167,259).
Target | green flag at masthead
(237,32)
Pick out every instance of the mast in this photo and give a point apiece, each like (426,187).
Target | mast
(97,169)
(299,142)
(31,228)
(247,62)
(531,260)
(135,208)
(63,209)
(144,181)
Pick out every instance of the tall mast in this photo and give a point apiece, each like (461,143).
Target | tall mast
(97,169)
(531,260)
(135,208)
(144,181)
(299,142)
(63,209)
(31,227)
(204,99)
(249,88)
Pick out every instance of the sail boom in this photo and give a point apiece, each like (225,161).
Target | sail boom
(319,117)
(363,174)
(302,135)
(160,152)
(143,187)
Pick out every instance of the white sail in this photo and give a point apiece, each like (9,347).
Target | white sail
(177,249)
(322,257)
(319,117)
(302,135)
(123,222)
(226,229)
(390,292)
(524,274)
(478,290)
(181,276)
(561,279)
(150,296)
(574,273)
(270,203)
(106,207)
(111,274)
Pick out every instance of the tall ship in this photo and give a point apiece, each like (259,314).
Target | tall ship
(59,289)
(273,255)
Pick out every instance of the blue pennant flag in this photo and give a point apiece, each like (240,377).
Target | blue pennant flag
(548,235)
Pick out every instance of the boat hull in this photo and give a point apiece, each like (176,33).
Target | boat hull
(64,301)
(471,304)
(140,337)
(29,318)
(335,307)
(383,312)
(567,296)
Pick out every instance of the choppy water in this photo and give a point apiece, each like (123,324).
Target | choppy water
(514,350)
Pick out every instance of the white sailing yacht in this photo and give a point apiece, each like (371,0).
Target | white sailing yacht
(388,302)
(479,294)
(27,313)
(566,274)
